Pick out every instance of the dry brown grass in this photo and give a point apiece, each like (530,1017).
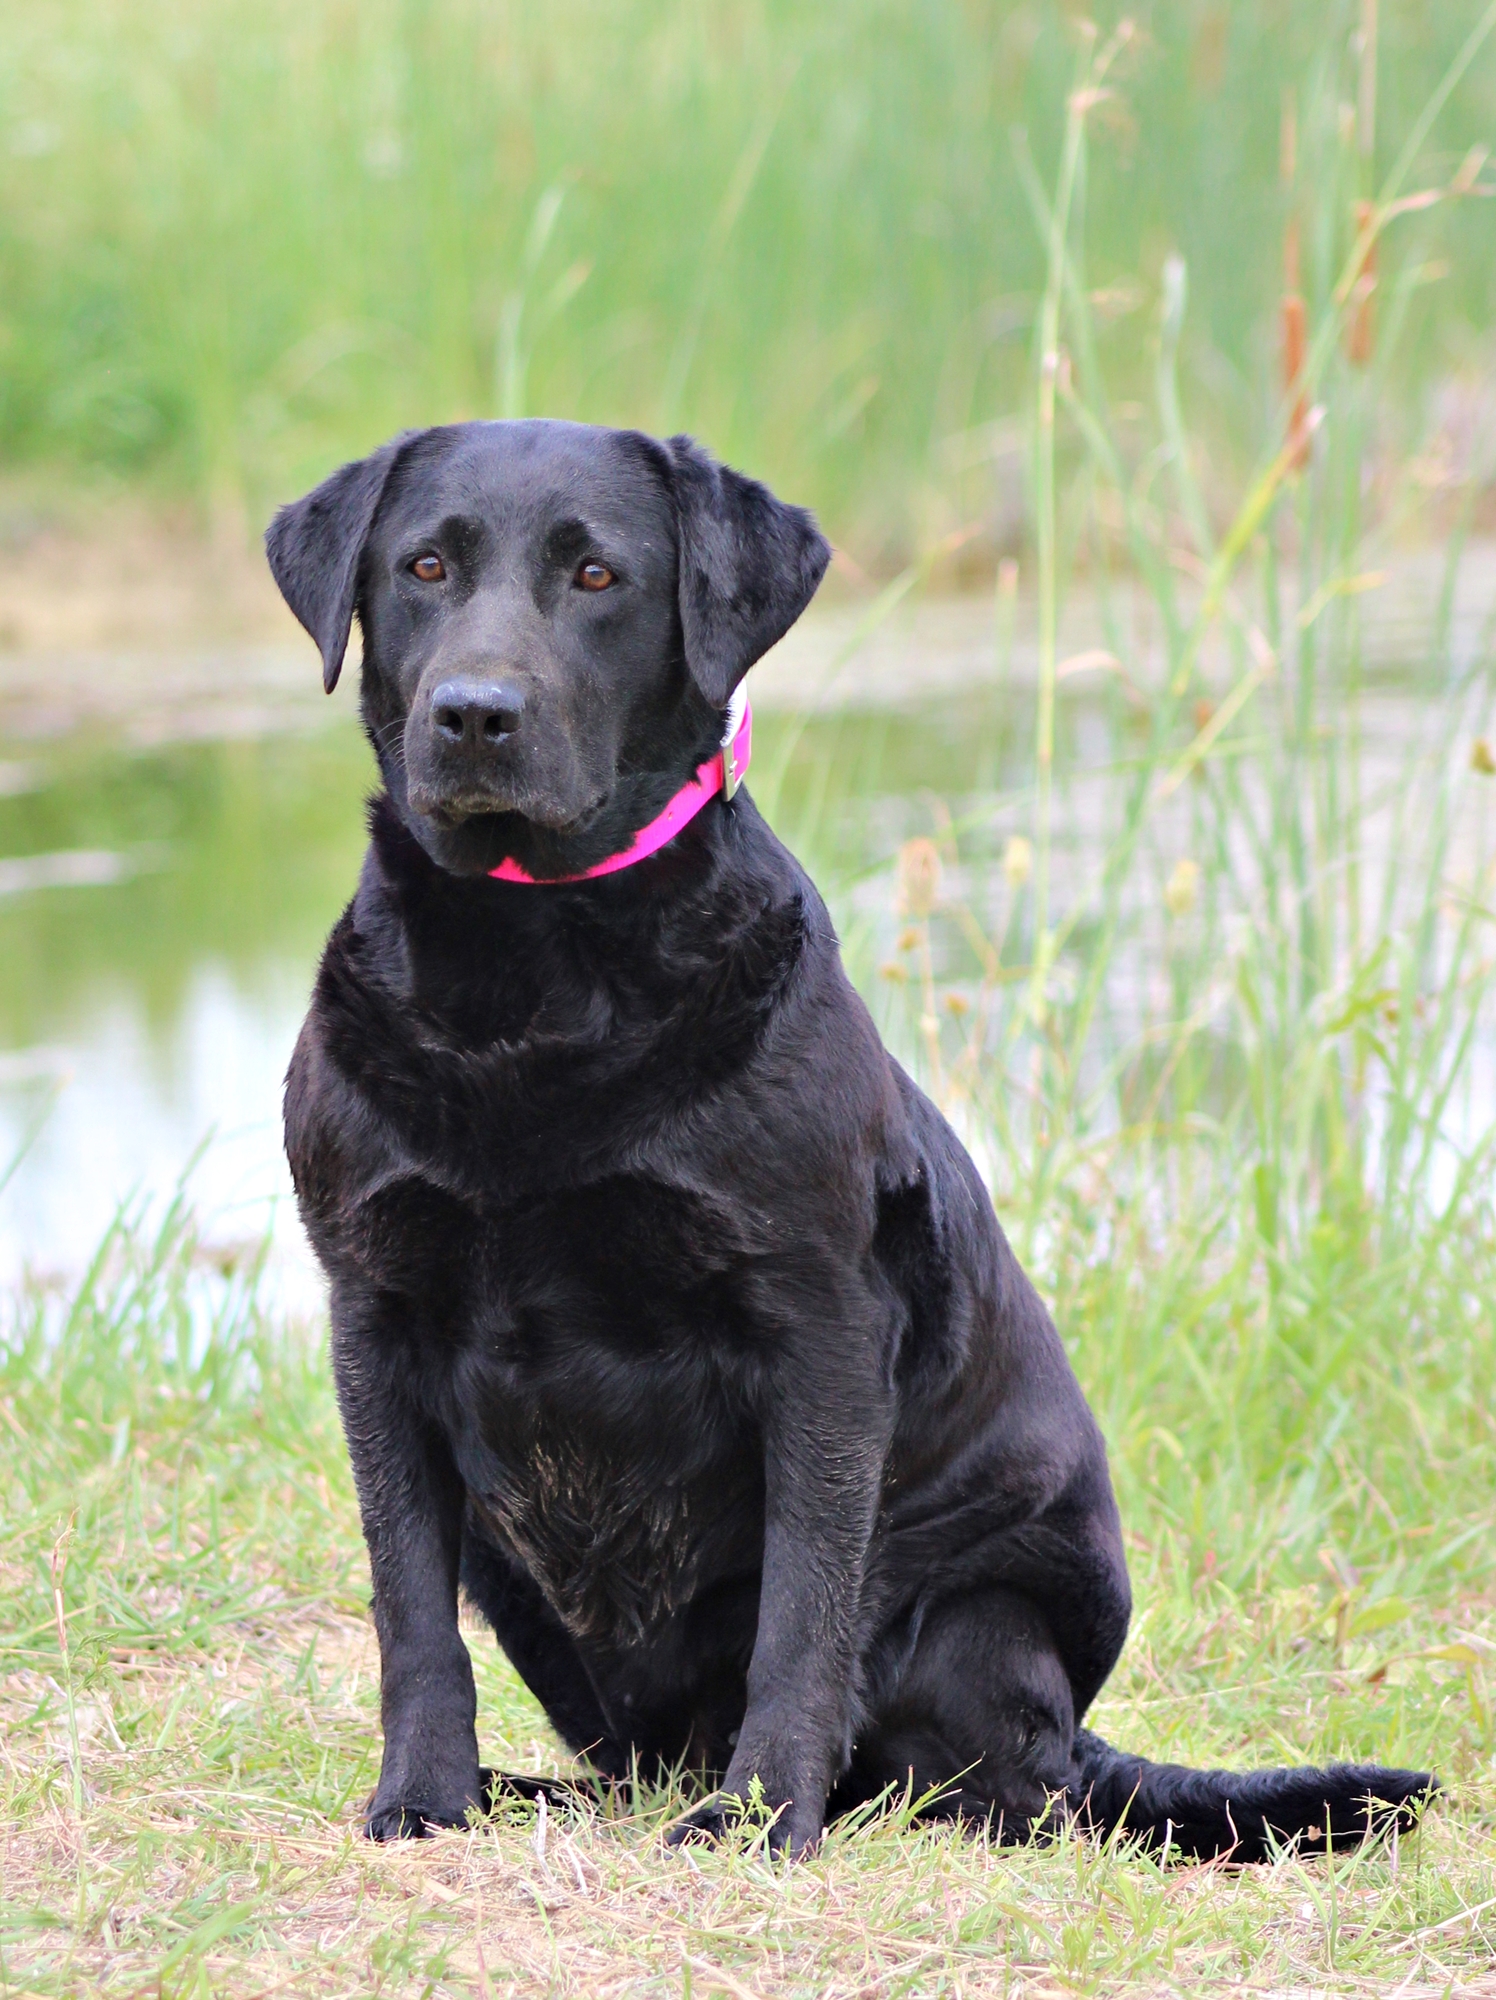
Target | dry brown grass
(216,1850)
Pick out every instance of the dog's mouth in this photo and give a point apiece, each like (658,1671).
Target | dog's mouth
(460,809)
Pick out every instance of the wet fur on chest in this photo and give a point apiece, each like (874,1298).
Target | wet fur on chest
(604,1438)
(588,1366)
(511,1050)
(569,1267)
(617,1549)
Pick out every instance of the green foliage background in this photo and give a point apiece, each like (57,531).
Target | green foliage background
(240,242)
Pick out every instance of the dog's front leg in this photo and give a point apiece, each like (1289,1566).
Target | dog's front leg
(411,1500)
(826,1431)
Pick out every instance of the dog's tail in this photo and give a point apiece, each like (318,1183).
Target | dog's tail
(1243,1815)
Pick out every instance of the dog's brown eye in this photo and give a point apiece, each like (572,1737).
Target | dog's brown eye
(429,568)
(595,576)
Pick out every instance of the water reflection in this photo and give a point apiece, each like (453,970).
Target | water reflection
(160,916)
(161,913)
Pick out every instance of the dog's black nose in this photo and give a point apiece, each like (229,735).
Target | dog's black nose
(473,711)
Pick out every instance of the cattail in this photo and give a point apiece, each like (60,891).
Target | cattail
(1360,327)
(919,877)
(1295,350)
(1293,312)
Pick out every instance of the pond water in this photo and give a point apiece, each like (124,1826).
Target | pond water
(162,908)
(175,846)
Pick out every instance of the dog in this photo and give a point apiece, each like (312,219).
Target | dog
(670,1321)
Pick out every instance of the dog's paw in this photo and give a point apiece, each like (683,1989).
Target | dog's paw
(399,1819)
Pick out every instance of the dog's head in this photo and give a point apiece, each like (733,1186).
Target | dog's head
(554,617)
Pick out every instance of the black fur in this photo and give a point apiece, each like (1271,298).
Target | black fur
(670,1320)
(315,545)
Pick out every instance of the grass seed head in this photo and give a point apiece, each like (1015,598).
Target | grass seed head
(1018,860)
(1183,887)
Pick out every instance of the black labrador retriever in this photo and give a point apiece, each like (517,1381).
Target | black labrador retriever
(670,1321)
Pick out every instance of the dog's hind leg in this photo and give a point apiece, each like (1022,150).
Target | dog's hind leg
(978,1723)
(547,1661)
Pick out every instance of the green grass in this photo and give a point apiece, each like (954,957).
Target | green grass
(1203,967)
(241,242)
(180,1784)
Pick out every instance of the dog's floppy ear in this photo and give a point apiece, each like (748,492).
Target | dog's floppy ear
(314,546)
(749,565)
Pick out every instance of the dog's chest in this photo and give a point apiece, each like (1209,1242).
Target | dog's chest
(623,1491)
(618,1543)
(587,1350)
(600,1399)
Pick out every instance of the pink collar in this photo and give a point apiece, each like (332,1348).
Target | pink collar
(722,773)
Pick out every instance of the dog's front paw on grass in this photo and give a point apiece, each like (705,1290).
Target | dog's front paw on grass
(418,1819)
(400,1822)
